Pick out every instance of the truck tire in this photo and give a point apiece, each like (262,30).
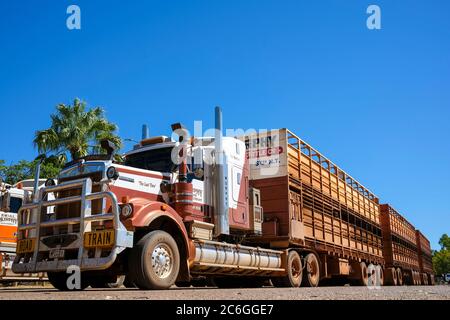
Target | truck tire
(371,275)
(128,283)
(430,279)
(424,279)
(311,271)
(408,278)
(380,275)
(59,281)
(363,277)
(390,276)
(294,272)
(154,261)
(399,276)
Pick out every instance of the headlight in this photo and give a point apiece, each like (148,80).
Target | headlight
(50,182)
(112,173)
(126,210)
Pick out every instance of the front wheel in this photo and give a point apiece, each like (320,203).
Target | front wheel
(154,261)
(65,281)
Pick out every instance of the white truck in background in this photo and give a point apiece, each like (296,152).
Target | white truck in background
(11,199)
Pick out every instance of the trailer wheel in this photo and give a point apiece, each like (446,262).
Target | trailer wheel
(311,274)
(371,275)
(399,277)
(430,279)
(363,279)
(380,275)
(424,279)
(390,274)
(154,261)
(294,272)
(59,281)
(408,278)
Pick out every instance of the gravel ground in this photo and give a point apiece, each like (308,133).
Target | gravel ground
(439,292)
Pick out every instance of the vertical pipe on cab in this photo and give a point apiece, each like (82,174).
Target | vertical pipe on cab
(182,198)
(145,132)
(221,180)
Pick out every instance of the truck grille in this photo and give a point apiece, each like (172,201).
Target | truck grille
(72,209)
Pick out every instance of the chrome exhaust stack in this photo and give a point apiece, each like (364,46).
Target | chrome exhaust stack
(145,132)
(221,179)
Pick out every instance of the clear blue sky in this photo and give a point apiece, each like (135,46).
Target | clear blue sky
(375,102)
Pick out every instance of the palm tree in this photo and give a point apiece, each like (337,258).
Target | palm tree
(75,130)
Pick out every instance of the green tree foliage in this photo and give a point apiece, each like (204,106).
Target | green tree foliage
(441,258)
(74,131)
(26,169)
(445,242)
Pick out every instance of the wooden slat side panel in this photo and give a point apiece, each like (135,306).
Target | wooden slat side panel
(312,168)
(398,249)
(424,253)
(326,221)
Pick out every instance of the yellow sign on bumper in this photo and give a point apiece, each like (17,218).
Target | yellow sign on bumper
(25,246)
(99,239)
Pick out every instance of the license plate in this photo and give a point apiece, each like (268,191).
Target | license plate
(99,239)
(25,245)
(56,253)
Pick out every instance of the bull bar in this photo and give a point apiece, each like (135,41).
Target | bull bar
(29,218)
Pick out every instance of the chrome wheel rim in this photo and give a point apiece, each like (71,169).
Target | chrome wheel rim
(162,260)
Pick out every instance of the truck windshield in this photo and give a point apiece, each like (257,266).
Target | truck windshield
(15,204)
(156,160)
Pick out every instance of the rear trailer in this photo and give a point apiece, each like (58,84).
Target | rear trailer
(425,261)
(315,208)
(399,248)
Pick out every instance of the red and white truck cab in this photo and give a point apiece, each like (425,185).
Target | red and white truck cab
(173,210)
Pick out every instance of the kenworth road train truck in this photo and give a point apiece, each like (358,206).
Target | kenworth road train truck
(238,211)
